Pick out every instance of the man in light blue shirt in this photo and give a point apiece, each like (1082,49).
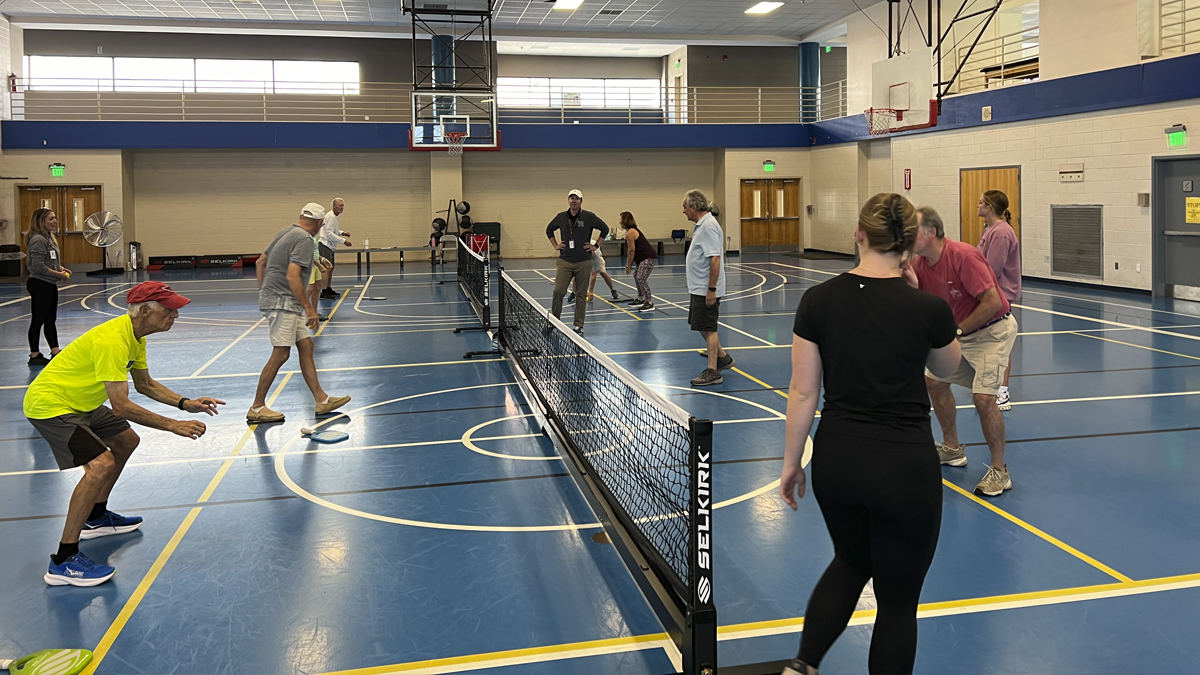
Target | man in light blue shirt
(706,284)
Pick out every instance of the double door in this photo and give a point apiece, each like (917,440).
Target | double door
(72,204)
(770,214)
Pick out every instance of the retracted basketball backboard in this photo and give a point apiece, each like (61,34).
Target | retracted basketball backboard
(438,115)
(904,84)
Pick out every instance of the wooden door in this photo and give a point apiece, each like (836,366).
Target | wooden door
(784,228)
(973,183)
(755,213)
(72,204)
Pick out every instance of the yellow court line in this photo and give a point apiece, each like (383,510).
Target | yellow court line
(754,379)
(585,297)
(1130,344)
(1040,533)
(754,629)
(519,656)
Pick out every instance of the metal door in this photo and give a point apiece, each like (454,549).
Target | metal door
(1176,224)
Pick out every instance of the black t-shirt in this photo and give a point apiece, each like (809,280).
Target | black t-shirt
(577,230)
(875,336)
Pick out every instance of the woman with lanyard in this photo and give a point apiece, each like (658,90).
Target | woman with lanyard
(876,474)
(1003,252)
(45,271)
(642,255)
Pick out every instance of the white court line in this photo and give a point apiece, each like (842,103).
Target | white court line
(1112,304)
(227,348)
(1157,331)
(26,297)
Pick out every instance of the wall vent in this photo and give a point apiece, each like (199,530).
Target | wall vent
(1077,241)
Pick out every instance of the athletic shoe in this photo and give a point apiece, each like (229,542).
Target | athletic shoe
(578,330)
(797,667)
(329,294)
(570,298)
(78,570)
(994,482)
(635,301)
(109,524)
(646,307)
(615,296)
(1003,401)
(332,404)
(725,363)
(38,360)
(707,378)
(264,415)
(951,456)
(322,318)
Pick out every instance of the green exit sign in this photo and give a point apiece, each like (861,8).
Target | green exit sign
(1177,136)
(58,170)
(769,166)
(828,49)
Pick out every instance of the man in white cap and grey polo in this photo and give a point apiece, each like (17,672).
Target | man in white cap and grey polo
(574,252)
(284,271)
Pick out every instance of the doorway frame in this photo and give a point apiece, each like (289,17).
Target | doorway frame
(1020,195)
(1159,288)
(801,221)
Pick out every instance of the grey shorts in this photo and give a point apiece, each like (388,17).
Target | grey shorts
(984,358)
(701,316)
(286,328)
(326,252)
(77,439)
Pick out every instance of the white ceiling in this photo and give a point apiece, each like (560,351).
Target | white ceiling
(526,19)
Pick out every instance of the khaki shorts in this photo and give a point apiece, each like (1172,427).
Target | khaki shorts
(985,358)
(286,328)
(598,260)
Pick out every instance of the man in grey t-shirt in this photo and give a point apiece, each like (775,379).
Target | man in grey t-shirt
(284,270)
(706,284)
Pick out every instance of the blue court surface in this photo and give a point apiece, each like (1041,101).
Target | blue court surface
(446,535)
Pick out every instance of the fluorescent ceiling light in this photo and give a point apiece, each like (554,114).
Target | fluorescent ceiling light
(760,8)
(567,4)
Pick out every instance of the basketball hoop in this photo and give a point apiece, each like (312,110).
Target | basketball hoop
(880,120)
(455,140)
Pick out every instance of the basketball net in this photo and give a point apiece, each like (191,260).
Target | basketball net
(880,120)
(455,140)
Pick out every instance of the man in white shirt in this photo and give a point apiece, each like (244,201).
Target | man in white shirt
(329,239)
(706,284)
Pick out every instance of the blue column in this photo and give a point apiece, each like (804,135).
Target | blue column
(810,81)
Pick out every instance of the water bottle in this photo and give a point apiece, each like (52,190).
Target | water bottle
(366,242)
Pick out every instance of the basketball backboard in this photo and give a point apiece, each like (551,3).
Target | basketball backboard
(438,113)
(905,84)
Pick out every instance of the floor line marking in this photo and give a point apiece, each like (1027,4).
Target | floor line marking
(754,379)
(552,281)
(131,605)
(227,348)
(1130,344)
(1040,533)
(1112,304)
(1157,331)
(560,652)
(26,297)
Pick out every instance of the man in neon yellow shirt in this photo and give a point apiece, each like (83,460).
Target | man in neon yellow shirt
(66,405)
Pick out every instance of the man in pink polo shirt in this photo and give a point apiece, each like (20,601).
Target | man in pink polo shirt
(960,275)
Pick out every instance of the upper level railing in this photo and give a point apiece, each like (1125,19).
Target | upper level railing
(192,100)
(1179,27)
(1000,61)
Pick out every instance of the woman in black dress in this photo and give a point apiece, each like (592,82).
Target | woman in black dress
(875,468)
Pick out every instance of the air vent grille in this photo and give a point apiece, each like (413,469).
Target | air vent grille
(1077,240)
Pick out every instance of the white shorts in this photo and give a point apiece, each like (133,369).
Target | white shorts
(598,260)
(286,328)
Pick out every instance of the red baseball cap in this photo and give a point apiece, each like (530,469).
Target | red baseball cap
(155,291)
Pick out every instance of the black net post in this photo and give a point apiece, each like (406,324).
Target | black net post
(699,647)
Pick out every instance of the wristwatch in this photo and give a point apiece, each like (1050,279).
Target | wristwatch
(713,289)
(958,332)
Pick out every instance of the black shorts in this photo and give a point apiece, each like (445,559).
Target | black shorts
(77,439)
(701,317)
(326,252)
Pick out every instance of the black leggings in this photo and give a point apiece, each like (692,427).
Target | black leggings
(43,297)
(882,503)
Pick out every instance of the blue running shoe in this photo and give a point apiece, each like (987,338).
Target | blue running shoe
(78,570)
(109,524)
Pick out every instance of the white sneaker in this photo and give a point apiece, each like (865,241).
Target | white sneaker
(1002,401)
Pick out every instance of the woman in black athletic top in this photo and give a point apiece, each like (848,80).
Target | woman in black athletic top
(642,256)
(875,468)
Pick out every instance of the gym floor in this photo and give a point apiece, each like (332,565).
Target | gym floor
(446,536)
